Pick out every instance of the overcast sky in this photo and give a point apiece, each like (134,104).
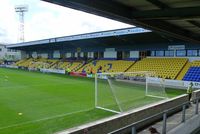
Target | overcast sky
(45,20)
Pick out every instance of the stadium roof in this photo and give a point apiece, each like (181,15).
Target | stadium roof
(177,18)
(128,36)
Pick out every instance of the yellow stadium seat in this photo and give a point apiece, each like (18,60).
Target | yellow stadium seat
(163,67)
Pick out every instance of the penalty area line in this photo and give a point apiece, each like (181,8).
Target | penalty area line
(43,119)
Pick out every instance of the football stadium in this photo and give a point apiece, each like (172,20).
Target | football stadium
(142,79)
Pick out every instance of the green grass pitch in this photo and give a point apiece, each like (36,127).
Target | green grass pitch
(36,103)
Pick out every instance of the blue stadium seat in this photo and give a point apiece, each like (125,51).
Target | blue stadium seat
(193,74)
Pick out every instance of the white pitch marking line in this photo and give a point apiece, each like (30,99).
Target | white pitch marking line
(34,85)
(48,118)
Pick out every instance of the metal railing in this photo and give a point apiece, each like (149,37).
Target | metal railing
(133,126)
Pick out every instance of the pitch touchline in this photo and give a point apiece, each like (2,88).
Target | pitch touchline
(48,118)
(35,85)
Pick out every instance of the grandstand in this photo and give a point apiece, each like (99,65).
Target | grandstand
(167,68)
(100,58)
(168,64)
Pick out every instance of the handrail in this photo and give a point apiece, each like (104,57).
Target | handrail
(161,113)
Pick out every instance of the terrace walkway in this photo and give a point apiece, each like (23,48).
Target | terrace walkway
(174,121)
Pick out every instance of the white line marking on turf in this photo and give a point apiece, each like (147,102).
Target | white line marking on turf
(43,119)
(37,85)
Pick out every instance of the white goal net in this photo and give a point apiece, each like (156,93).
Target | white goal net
(118,92)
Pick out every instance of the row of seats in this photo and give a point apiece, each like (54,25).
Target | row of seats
(66,65)
(162,67)
(36,63)
(61,65)
(195,63)
(49,64)
(193,72)
(100,66)
(183,71)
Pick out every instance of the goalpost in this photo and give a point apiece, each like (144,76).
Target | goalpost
(122,91)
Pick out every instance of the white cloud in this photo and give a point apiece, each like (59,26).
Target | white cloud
(8,23)
(45,20)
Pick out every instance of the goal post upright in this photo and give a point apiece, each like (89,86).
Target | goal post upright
(96,90)
(146,86)
(153,80)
